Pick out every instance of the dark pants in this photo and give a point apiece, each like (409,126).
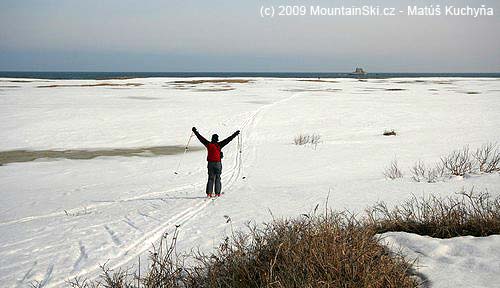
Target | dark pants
(214,171)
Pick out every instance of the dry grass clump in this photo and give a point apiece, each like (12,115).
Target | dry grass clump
(469,213)
(315,251)
(389,133)
(393,172)
(484,159)
(461,162)
(121,278)
(334,250)
(304,139)
(420,172)
(488,157)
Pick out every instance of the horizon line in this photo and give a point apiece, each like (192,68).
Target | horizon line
(260,72)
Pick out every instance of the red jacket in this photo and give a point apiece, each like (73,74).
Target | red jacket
(214,149)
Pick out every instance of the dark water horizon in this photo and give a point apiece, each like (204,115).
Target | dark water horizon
(56,75)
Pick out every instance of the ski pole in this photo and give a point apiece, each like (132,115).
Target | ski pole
(240,147)
(186,148)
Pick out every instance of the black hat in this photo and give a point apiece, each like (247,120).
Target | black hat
(215,138)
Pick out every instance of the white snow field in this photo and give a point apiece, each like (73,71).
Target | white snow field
(61,218)
(456,262)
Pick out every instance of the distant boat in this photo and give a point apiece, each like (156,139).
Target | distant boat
(359,71)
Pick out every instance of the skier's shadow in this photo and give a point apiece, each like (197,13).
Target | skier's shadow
(179,197)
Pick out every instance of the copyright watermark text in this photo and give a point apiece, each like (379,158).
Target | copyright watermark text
(370,10)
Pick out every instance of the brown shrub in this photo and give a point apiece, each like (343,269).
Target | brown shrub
(459,162)
(419,172)
(328,251)
(393,172)
(469,213)
(488,157)
(334,250)
(389,133)
(304,139)
(108,279)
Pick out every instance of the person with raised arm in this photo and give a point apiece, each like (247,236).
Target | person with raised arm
(214,157)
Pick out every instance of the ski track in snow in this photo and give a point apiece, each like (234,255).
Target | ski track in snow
(113,236)
(27,275)
(131,223)
(82,258)
(130,252)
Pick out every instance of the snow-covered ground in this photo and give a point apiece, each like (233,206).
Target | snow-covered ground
(457,262)
(60,218)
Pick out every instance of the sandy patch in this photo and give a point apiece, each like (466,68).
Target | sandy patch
(92,85)
(14,156)
(212,81)
(214,89)
(318,80)
(211,85)
(142,98)
(312,90)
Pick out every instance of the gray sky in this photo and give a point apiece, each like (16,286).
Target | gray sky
(230,35)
